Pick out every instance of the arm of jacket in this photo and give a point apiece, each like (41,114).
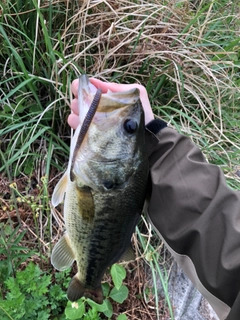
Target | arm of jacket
(197,215)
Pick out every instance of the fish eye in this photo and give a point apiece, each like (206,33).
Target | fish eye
(130,126)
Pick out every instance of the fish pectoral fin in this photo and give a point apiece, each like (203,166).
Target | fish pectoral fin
(128,255)
(62,255)
(59,190)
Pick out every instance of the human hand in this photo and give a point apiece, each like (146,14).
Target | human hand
(73,119)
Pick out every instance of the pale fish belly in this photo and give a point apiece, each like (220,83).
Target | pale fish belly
(78,216)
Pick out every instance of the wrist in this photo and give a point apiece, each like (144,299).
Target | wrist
(156,125)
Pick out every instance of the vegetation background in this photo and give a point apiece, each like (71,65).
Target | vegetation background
(186,53)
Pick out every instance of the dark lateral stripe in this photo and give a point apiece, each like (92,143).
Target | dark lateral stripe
(110,239)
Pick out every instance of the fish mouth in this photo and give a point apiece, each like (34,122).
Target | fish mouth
(106,161)
(109,101)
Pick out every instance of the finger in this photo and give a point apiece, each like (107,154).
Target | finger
(74,87)
(114,87)
(97,83)
(73,120)
(105,86)
(74,106)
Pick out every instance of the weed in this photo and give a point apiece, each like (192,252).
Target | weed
(39,206)
(150,246)
(14,254)
(77,310)
(30,295)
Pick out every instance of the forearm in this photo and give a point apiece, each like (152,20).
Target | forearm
(197,215)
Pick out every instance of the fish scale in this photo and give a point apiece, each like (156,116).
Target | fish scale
(109,226)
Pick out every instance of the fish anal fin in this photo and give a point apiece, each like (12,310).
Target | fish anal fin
(76,290)
(59,190)
(62,255)
(128,255)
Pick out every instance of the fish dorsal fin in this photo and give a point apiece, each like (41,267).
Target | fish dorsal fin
(62,255)
(128,255)
(59,190)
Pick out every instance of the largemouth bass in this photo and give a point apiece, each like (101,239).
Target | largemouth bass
(103,188)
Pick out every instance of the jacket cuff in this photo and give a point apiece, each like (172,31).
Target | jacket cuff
(156,125)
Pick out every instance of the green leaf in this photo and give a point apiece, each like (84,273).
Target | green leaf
(106,289)
(119,295)
(109,312)
(122,317)
(8,230)
(74,310)
(99,307)
(118,273)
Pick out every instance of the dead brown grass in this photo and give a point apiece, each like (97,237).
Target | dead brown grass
(142,41)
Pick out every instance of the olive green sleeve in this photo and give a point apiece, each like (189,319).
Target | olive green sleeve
(197,215)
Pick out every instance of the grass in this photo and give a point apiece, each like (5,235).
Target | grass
(186,53)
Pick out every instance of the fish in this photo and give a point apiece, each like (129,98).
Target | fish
(103,188)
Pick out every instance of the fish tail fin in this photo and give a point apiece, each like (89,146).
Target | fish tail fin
(76,290)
